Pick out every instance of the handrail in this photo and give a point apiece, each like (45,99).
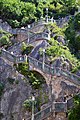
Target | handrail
(42,114)
(56,70)
(47,68)
(40,22)
(38,36)
(54,107)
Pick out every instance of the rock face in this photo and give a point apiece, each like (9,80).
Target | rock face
(63,63)
(63,89)
(14,94)
(5,26)
(60,39)
(16,90)
(78,73)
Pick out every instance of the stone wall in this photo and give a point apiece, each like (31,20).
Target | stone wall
(21,37)
(63,89)
(58,116)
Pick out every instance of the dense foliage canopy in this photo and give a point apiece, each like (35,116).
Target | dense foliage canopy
(20,13)
(74,114)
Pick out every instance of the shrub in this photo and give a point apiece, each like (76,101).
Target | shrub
(14,23)
(36,80)
(24,21)
(57,50)
(28,104)
(26,49)
(4,40)
(23,68)
(74,114)
(17,81)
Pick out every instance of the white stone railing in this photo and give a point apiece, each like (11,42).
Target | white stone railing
(39,65)
(42,114)
(37,36)
(54,71)
(6,27)
(54,107)
(7,55)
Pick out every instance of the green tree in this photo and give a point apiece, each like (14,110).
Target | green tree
(23,68)
(74,114)
(28,104)
(36,80)
(4,40)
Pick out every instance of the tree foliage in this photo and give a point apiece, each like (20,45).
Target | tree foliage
(28,104)
(20,13)
(74,114)
(73,36)
(36,80)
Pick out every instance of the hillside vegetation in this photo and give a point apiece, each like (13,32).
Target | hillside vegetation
(20,13)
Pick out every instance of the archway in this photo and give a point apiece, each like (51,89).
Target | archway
(40,87)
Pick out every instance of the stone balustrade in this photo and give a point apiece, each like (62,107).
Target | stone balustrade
(37,64)
(42,114)
(70,103)
(7,55)
(38,23)
(60,106)
(54,71)
(72,77)
(54,107)
(13,58)
(38,36)
(5,26)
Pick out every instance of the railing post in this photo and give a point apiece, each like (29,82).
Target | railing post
(25,58)
(33,99)
(28,33)
(47,15)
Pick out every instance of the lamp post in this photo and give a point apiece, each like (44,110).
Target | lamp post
(33,99)
(22,28)
(28,32)
(47,15)
(43,59)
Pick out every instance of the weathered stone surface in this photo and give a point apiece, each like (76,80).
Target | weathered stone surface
(14,94)
(63,89)
(5,26)
(62,63)
(60,39)
(78,73)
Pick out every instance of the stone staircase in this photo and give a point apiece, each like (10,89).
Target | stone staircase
(33,62)
(55,106)
(39,65)
(34,27)
(52,108)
